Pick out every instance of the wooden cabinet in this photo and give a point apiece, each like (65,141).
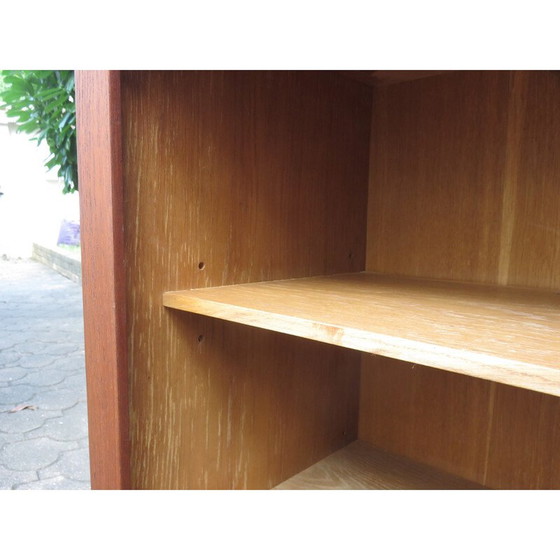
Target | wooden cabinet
(321,279)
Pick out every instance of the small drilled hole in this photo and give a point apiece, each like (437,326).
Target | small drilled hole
(201,265)
(200,337)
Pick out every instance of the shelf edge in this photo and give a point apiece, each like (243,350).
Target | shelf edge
(510,372)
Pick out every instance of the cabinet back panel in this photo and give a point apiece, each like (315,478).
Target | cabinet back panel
(465,169)
(426,414)
(464,178)
(235,177)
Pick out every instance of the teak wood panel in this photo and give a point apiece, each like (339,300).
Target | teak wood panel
(238,177)
(103,276)
(464,186)
(502,334)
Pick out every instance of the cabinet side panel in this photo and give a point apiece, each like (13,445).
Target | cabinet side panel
(464,186)
(103,276)
(237,177)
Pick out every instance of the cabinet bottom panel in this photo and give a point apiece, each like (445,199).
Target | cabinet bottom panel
(360,466)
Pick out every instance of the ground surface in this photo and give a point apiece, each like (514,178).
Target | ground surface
(44,446)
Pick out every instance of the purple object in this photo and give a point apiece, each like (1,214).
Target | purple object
(69,233)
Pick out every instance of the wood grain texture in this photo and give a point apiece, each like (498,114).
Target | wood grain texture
(524,441)
(437,168)
(464,168)
(360,466)
(463,183)
(390,77)
(103,276)
(237,177)
(535,243)
(459,327)
(429,415)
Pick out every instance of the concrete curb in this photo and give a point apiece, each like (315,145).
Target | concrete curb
(58,260)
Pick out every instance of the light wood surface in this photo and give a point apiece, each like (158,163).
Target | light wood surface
(506,335)
(360,466)
(463,186)
(103,276)
(237,177)
(437,168)
(429,415)
(524,441)
(464,173)
(534,253)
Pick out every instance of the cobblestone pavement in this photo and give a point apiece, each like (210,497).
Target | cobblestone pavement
(45,445)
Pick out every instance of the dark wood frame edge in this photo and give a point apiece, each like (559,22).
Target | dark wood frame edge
(99,141)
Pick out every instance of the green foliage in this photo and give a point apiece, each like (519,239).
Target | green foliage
(42,101)
(3,86)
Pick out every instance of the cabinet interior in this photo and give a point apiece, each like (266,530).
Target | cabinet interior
(431,198)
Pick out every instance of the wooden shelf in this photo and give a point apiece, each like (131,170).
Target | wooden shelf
(502,334)
(360,466)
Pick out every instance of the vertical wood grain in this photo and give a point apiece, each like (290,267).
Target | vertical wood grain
(429,415)
(464,174)
(464,181)
(511,184)
(535,245)
(236,177)
(437,161)
(524,450)
(103,275)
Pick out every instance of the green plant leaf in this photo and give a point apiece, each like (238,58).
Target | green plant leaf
(64,120)
(48,93)
(42,101)
(29,127)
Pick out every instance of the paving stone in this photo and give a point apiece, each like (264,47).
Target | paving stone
(15,394)
(22,324)
(58,349)
(71,426)
(35,360)
(48,336)
(42,364)
(14,373)
(9,357)
(30,347)
(9,438)
(44,377)
(64,428)
(76,381)
(74,362)
(10,339)
(56,398)
(34,454)
(25,420)
(9,478)
(72,464)
(56,483)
